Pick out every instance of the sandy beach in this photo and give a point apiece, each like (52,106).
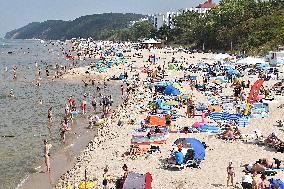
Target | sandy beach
(113,142)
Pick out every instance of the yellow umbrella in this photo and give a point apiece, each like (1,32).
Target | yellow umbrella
(216,81)
(172,102)
(88,185)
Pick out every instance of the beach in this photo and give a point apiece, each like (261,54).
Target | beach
(89,152)
(109,148)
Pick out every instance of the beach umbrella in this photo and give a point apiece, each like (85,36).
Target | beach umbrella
(177,86)
(227,63)
(229,67)
(233,72)
(86,185)
(171,90)
(172,102)
(196,145)
(172,67)
(201,65)
(263,66)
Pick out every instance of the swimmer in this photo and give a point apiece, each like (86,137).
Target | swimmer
(37,83)
(49,115)
(11,94)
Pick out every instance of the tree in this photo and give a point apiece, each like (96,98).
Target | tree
(144,29)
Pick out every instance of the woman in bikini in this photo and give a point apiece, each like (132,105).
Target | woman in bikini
(47,154)
(231,173)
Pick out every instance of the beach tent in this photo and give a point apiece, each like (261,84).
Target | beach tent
(171,90)
(138,181)
(198,147)
(250,61)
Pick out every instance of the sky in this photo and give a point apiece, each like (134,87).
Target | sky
(17,13)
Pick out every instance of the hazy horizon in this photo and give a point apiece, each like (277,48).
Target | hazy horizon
(41,10)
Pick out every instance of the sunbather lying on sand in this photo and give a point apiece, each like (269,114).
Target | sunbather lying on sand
(230,134)
(273,163)
(264,164)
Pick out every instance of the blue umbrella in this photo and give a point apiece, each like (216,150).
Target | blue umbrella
(171,90)
(233,72)
(229,67)
(263,66)
(198,147)
(201,65)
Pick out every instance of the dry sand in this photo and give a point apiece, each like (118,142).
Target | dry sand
(113,141)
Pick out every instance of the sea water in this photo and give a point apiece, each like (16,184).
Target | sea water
(23,120)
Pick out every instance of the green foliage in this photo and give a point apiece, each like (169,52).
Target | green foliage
(144,29)
(98,26)
(248,25)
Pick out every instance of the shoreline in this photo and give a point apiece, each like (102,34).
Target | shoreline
(113,142)
(65,157)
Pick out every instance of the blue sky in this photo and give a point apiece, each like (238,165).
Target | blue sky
(17,13)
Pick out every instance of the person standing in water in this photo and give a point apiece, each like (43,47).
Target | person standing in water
(49,115)
(14,73)
(84,106)
(11,94)
(64,128)
(94,105)
(47,154)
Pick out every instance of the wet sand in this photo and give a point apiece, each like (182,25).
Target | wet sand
(61,162)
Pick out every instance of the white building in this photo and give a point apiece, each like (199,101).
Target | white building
(159,20)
